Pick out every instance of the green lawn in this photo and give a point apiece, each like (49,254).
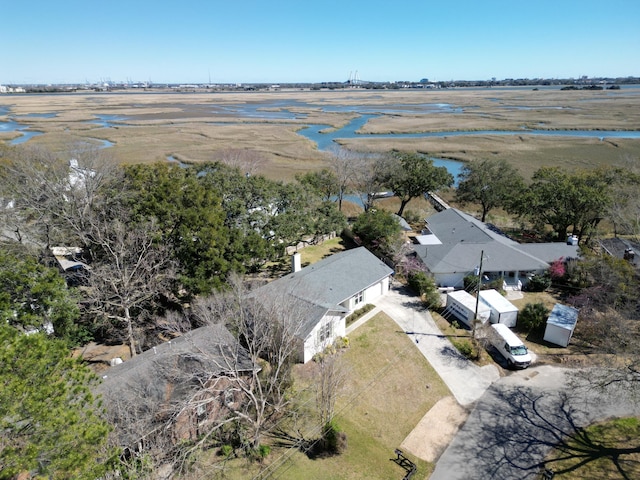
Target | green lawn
(597,446)
(389,388)
(386,395)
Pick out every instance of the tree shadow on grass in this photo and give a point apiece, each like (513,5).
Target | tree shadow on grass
(517,429)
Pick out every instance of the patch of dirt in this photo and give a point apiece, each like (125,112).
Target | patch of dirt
(435,431)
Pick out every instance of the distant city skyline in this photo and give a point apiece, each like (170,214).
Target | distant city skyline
(73,42)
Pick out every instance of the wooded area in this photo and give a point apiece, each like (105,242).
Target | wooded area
(162,249)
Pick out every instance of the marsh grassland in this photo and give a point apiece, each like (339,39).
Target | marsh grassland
(195,127)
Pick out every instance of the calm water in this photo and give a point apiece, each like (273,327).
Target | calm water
(325,136)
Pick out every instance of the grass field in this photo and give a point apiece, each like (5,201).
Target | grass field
(388,389)
(193,127)
(596,446)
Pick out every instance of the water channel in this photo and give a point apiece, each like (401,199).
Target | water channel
(325,136)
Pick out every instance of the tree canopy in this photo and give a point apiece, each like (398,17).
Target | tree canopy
(490,183)
(34,297)
(562,199)
(49,420)
(410,175)
(378,230)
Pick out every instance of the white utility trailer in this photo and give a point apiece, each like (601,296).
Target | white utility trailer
(463,306)
(502,310)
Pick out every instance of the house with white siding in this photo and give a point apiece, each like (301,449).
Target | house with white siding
(330,289)
(452,244)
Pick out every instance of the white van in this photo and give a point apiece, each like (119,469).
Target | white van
(510,346)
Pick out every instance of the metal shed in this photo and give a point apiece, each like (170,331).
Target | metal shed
(561,324)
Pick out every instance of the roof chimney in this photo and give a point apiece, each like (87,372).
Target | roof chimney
(296,263)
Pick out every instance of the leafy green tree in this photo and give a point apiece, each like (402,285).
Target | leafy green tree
(49,421)
(533,316)
(323,183)
(327,218)
(624,209)
(190,216)
(426,287)
(410,175)
(562,200)
(378,230)
(490,183)
(34,297)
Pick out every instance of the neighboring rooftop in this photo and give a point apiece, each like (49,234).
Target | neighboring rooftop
(463,239)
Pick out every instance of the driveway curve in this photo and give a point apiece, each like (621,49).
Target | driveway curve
(467,381)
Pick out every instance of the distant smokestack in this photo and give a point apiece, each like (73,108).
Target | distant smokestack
(296,262)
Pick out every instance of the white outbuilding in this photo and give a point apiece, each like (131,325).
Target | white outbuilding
(560,325)
(502,310)
(463,306)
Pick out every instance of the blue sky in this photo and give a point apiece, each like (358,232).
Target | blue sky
(312,41)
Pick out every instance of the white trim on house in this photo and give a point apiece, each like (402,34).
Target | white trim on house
(457,241)
(330,289)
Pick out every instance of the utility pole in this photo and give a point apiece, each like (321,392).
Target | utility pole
(475,318)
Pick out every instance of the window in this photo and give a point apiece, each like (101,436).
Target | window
(325,332)
(358,298)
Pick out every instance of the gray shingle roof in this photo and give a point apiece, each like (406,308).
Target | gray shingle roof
(207,350)
(328,283)
(464,238)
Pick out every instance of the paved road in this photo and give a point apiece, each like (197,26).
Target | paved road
(467,381)
(519,420)
(516,419)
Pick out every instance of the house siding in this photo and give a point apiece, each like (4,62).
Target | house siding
(370,294)
(313,345)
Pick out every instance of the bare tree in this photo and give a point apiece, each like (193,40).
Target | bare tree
(267,326)
(130,268)
(366,177)
(331,379)
(247,161)
(48,199)
(171,400)
(342,163)
(624,208)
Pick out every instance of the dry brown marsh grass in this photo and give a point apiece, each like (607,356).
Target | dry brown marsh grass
(193,126)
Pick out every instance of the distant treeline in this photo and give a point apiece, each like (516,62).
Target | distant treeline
(581,83)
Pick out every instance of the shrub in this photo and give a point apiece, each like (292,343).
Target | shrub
(533,316)
(359,313)
(466,348)
(226,450)
(334,440)
(496,284)
(264,451)
(424,286)
(538,283)
(471,283)
(411,217)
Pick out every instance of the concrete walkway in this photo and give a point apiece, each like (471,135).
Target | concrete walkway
(467,381)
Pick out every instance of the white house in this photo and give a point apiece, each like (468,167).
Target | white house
(330,290)
(452,244)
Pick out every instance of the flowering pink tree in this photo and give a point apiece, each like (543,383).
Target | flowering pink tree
(557,268)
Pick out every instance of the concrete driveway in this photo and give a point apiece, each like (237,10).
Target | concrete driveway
(517,419)
(467,381)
